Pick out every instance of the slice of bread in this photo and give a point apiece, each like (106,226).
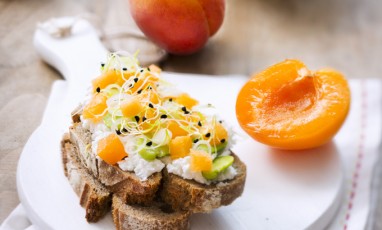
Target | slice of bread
(126,185)
(94,197)
(158,216)
(97,200)
(183,194)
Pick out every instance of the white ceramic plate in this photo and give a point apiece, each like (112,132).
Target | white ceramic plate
(284,190)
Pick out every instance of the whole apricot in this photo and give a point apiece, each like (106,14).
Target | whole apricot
(290,107)
(179,27)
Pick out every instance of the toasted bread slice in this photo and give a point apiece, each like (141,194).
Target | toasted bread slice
(183,194)
(158,216)
(94,197)
(124,184)
(97,200)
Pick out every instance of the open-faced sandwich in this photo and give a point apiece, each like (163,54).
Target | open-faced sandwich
(148,150)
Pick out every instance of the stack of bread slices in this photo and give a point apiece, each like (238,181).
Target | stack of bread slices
(163,201)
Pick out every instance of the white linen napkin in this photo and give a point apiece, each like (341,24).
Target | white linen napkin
(358,142)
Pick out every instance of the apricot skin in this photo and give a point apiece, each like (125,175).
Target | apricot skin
(179,27)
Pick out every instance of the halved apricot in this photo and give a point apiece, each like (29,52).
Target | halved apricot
(289,107)
(111,150)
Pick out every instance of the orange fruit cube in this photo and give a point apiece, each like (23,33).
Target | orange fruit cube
(200,161)
(131,108)
(95,108)
(110,77)
(180,147)
(176,129)
(155,69)
(186,100)
(219,134)
(289,107)
(111,150)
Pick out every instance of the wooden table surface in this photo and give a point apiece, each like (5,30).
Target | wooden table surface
(344,34)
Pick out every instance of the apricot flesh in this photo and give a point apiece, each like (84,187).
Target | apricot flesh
(179,27)
(287,106)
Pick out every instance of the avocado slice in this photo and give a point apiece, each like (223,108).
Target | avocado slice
(148,154)
(219,165)
(214,149)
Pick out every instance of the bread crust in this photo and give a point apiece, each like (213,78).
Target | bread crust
(183,194)
(158,216)
(94,197)
(97,200)
(125,184)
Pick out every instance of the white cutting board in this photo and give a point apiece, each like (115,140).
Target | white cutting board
(284,190)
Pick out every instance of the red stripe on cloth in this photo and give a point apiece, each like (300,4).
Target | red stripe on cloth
(360,155)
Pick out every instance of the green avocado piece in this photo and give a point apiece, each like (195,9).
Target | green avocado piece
(216,149)
(220,147)
(148,154)
(162,151)
(219,165)
(107,119)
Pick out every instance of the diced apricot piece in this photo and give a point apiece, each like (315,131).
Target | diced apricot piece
(132,107)
(150,119)
(287,106)
(110,77)
(176,129)
(180,147)
(111,150)
(143,82)
(200,161)
(155,69)
(219,134)
(95,108)
(186,100)
(107,78)
(121,79)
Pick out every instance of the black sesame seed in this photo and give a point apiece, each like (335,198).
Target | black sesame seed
(163,116)
(208,134)
(141,70)
(149,143)
(170,99)
(149,87)
(186,112)
(118,132)
(135,79)
(139,91)
(196,140)
(144,118)
(102,64)
(200,124)
(222,141)
(151,105)
(148,68)
(131,85)
(124,68)
(98,89)
(220,121)
(136,118)
(184,109)
(125,130)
